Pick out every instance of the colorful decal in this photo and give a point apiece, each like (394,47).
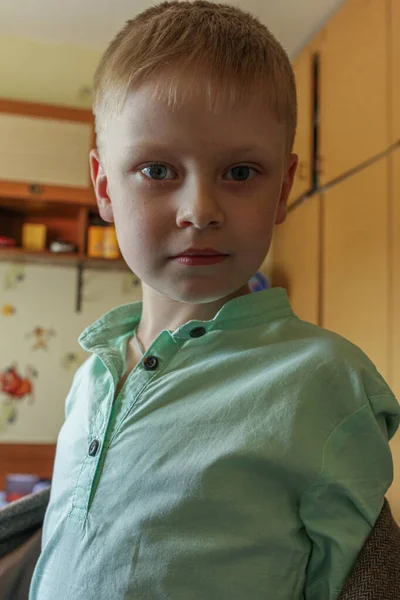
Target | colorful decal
(72,360)
(8,414)
(14,388)
(8,310)
(41,337)
(130,282)
(15,274)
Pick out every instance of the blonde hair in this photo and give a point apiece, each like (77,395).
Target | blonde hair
(224,52)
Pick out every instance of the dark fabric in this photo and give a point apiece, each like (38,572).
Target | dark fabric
(376,575)
(21,519)
(16,569)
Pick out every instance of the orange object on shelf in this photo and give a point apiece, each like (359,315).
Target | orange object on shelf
(95,241)
(110,243)
(14,496)
(34,236)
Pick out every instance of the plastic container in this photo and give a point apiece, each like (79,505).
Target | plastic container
(41,485)
(110,243)
(61,246)
(95,241)
(7,242)
(34,236)
(19,485)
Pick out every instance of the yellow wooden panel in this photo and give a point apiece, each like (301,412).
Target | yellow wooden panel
(395,63)
(44,151)
(394,494)
(395,220)
(303,70)
(296,258)
(355,262)
(354,98)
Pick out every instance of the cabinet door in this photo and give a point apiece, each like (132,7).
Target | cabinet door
(356,262)
(296,259)
(354,84)
(394,493)
(395,62)
(303,70)
(44,151)
(395,265)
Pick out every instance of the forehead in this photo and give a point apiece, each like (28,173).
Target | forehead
(196,115)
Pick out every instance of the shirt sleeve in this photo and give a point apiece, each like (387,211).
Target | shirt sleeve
(341,507)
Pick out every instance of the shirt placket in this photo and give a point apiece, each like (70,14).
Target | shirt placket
(100,417)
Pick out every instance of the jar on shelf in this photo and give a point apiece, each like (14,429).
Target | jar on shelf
(95,241)
(34,236)
(110,243)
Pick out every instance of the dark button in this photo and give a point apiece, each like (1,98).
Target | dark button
(94,446)
(150,363)
(198,332)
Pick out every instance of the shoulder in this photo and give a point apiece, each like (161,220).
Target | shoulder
(333,378)
(334,359)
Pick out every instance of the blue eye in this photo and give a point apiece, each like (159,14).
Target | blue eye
(241,173)
(159,172)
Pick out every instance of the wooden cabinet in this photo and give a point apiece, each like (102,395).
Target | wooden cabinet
(395,68)
(395,268)
(45,179)
(303,70)
(44,153)
(394,493)
(296,259)
(354,86)
(356,262)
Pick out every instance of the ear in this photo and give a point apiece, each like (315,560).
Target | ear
(286,188)
(100,185)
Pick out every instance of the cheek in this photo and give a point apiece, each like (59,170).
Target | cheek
(257,220)
(255,228)
(140,233)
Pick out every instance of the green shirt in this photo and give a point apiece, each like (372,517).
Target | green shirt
(245,457)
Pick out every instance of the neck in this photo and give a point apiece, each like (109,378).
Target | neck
(160,313)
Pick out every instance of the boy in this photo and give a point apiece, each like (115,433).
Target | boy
(215,446)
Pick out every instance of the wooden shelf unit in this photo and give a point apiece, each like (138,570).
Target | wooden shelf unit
(45,257)
(65,209)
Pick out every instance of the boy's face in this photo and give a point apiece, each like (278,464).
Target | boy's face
(176,178)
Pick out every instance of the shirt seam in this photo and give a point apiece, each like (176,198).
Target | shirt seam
(338,426)
(368,403)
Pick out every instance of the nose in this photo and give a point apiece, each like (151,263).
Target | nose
(199,207)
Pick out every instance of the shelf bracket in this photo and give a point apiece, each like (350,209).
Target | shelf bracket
(79,288)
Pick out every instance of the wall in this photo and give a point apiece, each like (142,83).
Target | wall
(39,331)
(48,73)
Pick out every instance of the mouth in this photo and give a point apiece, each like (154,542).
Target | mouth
(200,252)
(200,257)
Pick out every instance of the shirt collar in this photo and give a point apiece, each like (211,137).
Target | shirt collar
(245,311)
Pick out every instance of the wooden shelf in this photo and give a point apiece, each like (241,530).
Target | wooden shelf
(15,193)
(104,263)
(20,255)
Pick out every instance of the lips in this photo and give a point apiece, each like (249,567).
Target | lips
(200,252)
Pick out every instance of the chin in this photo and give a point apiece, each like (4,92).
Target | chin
(198,294)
